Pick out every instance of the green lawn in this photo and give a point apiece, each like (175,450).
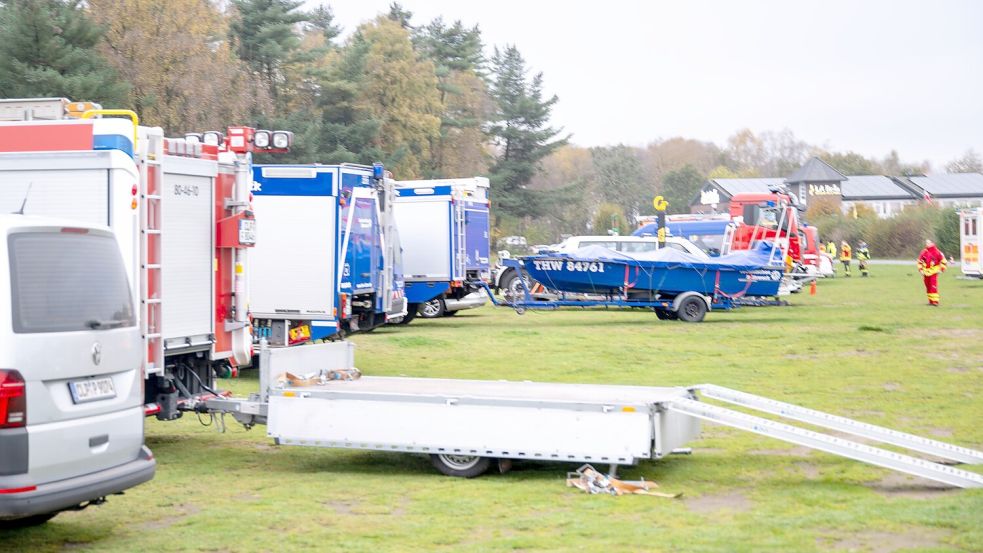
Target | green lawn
(864,348)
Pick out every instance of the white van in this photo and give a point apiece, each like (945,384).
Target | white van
(71,388)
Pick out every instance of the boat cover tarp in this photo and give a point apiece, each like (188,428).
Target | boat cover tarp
(761,256)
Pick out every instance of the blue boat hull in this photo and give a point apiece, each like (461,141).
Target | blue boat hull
(620,277)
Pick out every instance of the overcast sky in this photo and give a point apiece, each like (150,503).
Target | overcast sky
(866,76)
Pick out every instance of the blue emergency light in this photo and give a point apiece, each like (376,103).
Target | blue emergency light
(378,171)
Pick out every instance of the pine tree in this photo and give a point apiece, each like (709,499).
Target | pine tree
(266,37)
(47,48)
(456,52)
(400,15)
(322,19)
(347,134)
(521,131)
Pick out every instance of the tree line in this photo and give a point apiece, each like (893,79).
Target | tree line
(428,99)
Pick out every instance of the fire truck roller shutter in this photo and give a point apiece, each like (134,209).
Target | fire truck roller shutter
(187,252)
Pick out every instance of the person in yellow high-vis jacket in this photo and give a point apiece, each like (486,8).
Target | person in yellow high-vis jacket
(863,258)
(846,254)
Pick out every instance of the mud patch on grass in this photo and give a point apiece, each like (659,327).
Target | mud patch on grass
(892,386)
(797,451)
(417,341)
(809,470)
(940,432)
(885,542)
(709,450)
(896,484)
(925,333)
(343,506)
(179,513)
(711,504)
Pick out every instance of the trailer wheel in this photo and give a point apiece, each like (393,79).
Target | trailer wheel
(692,309)
(432,309)
(462,466)
(512,286)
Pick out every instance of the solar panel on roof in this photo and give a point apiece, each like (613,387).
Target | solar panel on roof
(872,186)
(956,184)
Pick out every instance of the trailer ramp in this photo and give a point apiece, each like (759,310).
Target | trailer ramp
(832,444)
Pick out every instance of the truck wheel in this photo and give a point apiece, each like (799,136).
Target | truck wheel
(462,466)
(692,309)
(410,313)
(432,309)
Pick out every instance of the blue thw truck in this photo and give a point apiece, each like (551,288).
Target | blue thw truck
(444,232)
(328,260)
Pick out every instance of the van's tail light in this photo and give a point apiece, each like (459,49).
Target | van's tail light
(13,400)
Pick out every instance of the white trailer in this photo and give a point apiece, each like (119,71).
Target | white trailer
(971,242)
(465,426)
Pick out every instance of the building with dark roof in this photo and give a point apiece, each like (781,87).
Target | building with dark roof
(949,190)
(886,196)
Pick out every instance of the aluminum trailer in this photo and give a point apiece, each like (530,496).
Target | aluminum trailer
(467,425)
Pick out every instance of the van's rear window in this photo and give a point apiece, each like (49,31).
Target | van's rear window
(63,281)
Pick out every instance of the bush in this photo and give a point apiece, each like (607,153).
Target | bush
(899,237)
(610,216)
(947,232)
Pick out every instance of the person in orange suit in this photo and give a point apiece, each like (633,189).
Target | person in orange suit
(931,262)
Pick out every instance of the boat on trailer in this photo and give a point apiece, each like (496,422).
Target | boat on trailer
(666,272)
(672,283)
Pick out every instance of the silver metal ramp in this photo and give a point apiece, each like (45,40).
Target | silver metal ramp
(832,444)
(842,424)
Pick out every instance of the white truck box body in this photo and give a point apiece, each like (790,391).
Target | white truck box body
(971,241)
(293,267)
(93,187)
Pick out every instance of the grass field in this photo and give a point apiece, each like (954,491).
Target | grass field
(863,348)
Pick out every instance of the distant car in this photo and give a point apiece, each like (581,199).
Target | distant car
(627,244)
(71,384)
(514,241)
(506,279)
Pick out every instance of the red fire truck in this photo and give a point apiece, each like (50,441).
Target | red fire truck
(774,217)
(180,209)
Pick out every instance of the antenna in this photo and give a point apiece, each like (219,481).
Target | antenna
(23,204)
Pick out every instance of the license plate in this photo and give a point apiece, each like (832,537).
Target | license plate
(247,231)
(84,391)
